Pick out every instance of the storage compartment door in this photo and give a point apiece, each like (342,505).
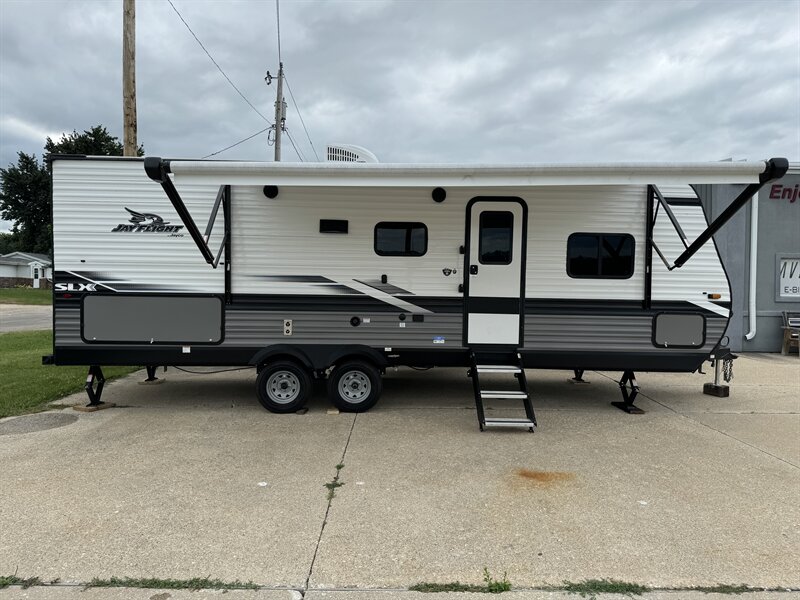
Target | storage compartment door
(145,319)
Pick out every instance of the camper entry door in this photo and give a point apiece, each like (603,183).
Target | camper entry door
(495,270)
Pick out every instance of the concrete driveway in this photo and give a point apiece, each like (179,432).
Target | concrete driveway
(193,478)
(23,317)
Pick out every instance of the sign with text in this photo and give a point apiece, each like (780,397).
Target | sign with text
(789,277)
(784,192)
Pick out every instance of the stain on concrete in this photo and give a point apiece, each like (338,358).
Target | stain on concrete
(162,596)
(31,423)
(543,478)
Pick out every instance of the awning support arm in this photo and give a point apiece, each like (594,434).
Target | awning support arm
(662,257)
(671,216)
(158,170)
(776,168)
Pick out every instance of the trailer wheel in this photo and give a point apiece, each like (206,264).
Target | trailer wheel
(354,386)
(283,387)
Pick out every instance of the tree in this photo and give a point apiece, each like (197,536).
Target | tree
(92,142)
(26,188)
(8,243)
(25,200)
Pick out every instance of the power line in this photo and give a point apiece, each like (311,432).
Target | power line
(297,108)
(216,64)
(291,139)
(239,142)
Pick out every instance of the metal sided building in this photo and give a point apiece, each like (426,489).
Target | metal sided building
(760,248)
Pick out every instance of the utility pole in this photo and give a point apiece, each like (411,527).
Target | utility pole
(280,114)
(130,146)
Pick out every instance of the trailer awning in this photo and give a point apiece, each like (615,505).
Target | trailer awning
(226,174)
(405,175)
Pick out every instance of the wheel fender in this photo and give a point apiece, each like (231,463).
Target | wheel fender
(281,350)
(358,353)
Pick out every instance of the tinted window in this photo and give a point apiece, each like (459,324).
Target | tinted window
(616,255)
(582,256)
(496,236)
(401,239)
(600,255)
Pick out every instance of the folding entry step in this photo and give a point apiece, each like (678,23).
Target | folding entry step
(506,363)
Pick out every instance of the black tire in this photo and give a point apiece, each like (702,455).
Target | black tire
(355,386)
(283,387)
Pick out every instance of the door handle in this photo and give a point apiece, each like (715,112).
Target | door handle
(473,269)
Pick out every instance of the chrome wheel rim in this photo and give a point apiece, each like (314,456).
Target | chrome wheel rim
(283,387)
(354,387)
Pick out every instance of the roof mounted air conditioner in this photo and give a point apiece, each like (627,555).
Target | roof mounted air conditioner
(349,153)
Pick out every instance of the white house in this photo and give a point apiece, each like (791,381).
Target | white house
(25,268)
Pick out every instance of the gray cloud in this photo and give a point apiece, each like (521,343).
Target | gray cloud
(433,81)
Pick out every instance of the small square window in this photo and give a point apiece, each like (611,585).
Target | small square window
(401,239)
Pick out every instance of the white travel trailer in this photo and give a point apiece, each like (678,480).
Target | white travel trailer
(341,270)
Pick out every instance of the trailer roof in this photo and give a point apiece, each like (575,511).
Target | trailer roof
(509,175)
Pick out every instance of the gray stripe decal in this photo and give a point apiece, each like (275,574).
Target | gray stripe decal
(293,278)
(92,281)
(387,298)
(385,287)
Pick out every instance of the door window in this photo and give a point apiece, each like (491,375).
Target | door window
(495,238)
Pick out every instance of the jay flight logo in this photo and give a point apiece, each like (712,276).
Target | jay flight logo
(147,223)
(137,217)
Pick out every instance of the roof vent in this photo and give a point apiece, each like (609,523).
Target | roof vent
(349,153)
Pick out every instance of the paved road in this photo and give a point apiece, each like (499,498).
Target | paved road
(193,478)
(22,317)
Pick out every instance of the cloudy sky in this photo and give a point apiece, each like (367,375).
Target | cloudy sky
(416,81)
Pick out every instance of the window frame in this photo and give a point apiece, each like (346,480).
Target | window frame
(408,225)
(598,236)
(480,239)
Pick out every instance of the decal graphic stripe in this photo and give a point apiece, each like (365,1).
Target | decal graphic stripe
(710,306)
(121,286)
(293,278)
(387,298)
(385,287)
(337,288)
(92,281)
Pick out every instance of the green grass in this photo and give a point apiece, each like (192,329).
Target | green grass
(454,586)
(590,587)
(724,588)
(7,580)
(490,586)
(195,583)
(496,586)
(25,296)
(26,385)
(335,483)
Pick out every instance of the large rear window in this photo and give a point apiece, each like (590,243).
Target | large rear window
(600,255)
